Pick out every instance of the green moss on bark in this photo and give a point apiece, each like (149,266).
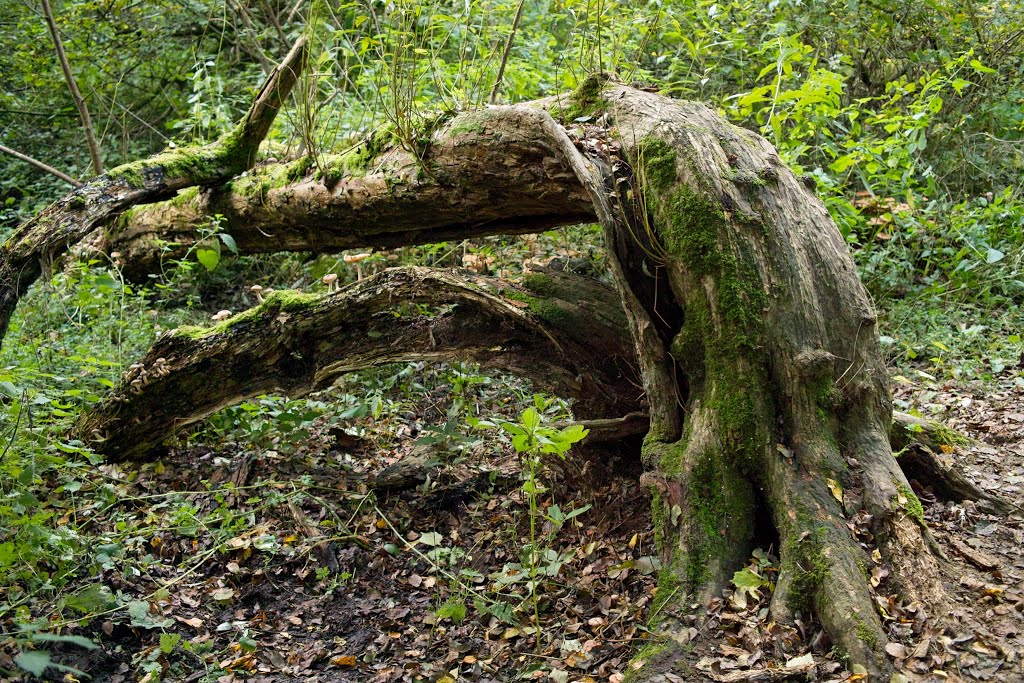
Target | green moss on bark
(913,506)
(806,562)
(539,283)
(284,301)
(586,100)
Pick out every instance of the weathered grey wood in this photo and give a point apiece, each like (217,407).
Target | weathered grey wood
(483,173)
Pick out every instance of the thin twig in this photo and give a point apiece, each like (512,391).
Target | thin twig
(40,165)
(505,54)
(76,95)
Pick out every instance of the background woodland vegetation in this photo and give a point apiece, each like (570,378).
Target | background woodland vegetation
(908,115)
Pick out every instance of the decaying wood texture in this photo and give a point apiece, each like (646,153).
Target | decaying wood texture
(294,344)
(755,342)
(482,173)
(36,244)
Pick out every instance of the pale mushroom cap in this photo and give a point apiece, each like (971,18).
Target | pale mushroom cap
(329,278)
(355,258)
(256,288)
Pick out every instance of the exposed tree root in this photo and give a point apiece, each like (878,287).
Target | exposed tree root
(922,447)
(41,240)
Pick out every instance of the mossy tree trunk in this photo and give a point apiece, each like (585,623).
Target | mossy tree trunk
(757,345)
(766,359)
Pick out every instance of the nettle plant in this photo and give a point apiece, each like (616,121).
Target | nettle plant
(534,440)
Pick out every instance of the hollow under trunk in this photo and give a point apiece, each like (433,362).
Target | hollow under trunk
(755,340)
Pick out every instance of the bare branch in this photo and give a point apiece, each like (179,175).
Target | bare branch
(67,221)
(506,52)
(40,165)
(76,95)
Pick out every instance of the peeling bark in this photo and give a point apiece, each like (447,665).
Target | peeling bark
(28,253)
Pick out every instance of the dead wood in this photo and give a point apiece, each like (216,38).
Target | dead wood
(925,452)
(483,173)
(294,344)
(37,243)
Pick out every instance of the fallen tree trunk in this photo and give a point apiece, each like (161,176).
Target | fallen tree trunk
(922,447)
(481,173)
(567,334)
(756,343)
(29,252)
(294,344)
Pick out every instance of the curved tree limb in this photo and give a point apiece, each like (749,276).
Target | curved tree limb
(501,335)
(30,250)
(483,173)
(563,339)
(76,95)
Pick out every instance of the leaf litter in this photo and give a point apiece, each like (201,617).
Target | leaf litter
(366,556)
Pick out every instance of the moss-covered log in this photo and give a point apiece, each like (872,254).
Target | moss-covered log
(562,338)
(474,174)
(923,448)
(36,244)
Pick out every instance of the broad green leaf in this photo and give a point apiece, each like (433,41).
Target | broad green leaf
(456,611)
(431,538)
(208,257)
(749,582)
(94,598)
(80,641)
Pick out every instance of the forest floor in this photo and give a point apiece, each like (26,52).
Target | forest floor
(372,557)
